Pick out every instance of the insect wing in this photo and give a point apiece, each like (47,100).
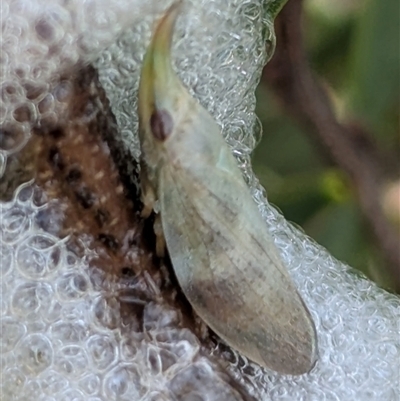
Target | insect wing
(230,270)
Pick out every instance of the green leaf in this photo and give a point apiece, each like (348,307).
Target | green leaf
(375,69)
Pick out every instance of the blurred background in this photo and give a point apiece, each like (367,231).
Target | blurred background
(353,48)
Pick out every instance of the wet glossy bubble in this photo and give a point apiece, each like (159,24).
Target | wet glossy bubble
(123,382)
(7,259)
(15,225)
(35,353)
(107,312)
(72,360)
(11,332)
(102,350)
(72,285)
(73,332)
(31,297)
(31,263)
(90,383)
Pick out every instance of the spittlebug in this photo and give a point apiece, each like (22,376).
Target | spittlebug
(222,253)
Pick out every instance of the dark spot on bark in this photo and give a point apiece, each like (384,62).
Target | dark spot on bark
(55,158)
(56,133)
(85,197)
(73,175)
(133,241)
(161,124)
(109,241)
(101,217)
(126,271)
(133,303)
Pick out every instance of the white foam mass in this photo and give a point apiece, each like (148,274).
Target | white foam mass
(57,342)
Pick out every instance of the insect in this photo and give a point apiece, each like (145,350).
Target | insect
(222,253)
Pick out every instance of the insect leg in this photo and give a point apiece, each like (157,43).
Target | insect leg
(148,196)
(160,239)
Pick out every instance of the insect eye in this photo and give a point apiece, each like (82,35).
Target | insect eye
(161,124)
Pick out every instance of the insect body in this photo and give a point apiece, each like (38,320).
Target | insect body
(220,248)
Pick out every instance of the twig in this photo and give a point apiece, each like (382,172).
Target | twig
(349,146)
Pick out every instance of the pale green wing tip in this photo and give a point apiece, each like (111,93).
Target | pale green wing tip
(160,46)
(157,69)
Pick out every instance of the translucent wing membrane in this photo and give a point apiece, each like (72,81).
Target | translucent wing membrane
(230,271)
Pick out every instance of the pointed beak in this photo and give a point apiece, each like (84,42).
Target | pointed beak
(158,81)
